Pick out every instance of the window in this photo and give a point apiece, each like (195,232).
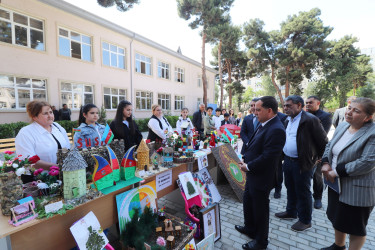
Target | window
(178,102)
(73,44)
(199,81)
(143,100)
(76,95)
(16,92)
(113,96)
(113,55)
(21,30)
(179,74)
(163,70)
(199,101)
(143,64)
(164,100)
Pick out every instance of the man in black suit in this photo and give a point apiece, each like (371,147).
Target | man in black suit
(198,118)
(261,158)
(312,106)
(279,172)
(248,125)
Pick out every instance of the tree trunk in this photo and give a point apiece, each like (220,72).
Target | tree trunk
(277,87)
(354,87)
(220,75)
(287,81)
(229,67)
(204,78)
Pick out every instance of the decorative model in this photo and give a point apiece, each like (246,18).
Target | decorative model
(23,213)
(128,164)
(74,169)
(143,156)
(103,174)
(114,164)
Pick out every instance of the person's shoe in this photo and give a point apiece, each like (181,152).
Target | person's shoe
(300,227)
(253,245)
(318,204)
(243,230)
(277,195)
(285,216)
(334,247)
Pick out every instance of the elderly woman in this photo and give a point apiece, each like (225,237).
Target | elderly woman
(350,156)
(158,126)
(42,137)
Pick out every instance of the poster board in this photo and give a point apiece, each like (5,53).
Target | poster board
(207,243)
(228,162)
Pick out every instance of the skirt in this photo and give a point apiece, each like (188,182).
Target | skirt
(346,218)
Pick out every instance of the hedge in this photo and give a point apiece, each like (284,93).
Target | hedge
(10,130)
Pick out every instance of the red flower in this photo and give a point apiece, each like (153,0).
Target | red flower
(34,159)
(53,172)
(54,168)
(8,152)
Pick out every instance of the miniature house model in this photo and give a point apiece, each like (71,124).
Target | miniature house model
(74,175)
(143,156)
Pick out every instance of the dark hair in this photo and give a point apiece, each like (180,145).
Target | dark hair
(230,112)
(64,104)
(314,97)
(84,110)
(295,99)
(119,118)
(209,108)
(218,110)
(255,99)
(367,104)
(34,108)
(226,115)
(269,102)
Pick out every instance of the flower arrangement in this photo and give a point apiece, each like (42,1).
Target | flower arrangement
(13,162)
(47,177)
(161,211)
(161,241)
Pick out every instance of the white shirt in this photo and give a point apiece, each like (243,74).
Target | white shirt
(126,123)
(290,148)
(339,145)
(36,140)
(180,122)
(217,120)
(153,124)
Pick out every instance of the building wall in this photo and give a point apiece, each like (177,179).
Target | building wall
(20,61)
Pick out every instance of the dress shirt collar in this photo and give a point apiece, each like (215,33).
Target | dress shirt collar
(297,117)
(40,129)
(264,123)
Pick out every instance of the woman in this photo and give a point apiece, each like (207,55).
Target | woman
(232,118)
(90,132)
(239,119)
(158,126)
(42,137)
(209,123)
(350,156)
(124,127)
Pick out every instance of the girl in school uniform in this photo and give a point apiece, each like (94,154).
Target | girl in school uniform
(185,121)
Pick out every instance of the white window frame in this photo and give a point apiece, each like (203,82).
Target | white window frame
(179,74)
(16,88)
(164,100)
(81,93)
(113,95)
(164,67)
(149,97)
(70,39)
(199,81)
(117,54)
(179,102)
(28,28)
(142,59)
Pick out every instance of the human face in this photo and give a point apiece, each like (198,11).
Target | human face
(252,107)
(356,116)
(45,117)
(158,112)
(209,112)
(127,111)
(263,114)
(223,111)
(292,109)
(202,107)
(184,113)
(312,105)
(218,113)
(91,116)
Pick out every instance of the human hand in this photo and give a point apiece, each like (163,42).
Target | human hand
(325,169)
(331,176)
(243,166)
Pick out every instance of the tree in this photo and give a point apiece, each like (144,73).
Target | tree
(368,90)
(362,69)
(121,5)
(249,94)
(206,13)
(237,91)
(267,87)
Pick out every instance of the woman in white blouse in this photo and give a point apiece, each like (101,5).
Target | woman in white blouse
(158,126)
(42,137)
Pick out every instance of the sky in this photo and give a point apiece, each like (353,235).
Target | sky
(158,20)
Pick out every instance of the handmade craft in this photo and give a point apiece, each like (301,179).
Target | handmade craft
(210,221)
(103,175)
(128,164)
(143,156)
(23,213)
(114,164)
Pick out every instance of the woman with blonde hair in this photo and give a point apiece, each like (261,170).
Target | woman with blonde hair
(158,125)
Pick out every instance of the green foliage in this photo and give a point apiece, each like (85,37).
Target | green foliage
(121,5)
(102,115)
(268,88)
(95,241)
(10,130)
(368,90)
(68,125)
(249,95)
(142,124)
(44,200)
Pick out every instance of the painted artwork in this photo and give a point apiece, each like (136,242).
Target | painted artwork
(128,164)
(103,174)
(88,234)
(207,243)
(114,164)
(190,245)
(188,185)
(228,162)
(137,198)
(210,221)
(203,190)
(203,178)
(202,162)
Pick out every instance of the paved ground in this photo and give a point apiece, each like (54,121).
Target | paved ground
(280,235)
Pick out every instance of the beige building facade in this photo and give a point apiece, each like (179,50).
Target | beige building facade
(51,50)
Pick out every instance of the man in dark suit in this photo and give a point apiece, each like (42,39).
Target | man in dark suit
(198,118)
(261,157)
(312,106)
(248,125)
(279,171)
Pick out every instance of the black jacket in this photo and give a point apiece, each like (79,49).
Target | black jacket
(223,122)
(311,140)
(197,120)
(129,140)
(325,118)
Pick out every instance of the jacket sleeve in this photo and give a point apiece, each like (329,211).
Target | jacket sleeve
(335,119)
(319,136)
(327,122)
(153,124)
(138,133)
(244,132)
(112,126)
(361,166)
(195,119)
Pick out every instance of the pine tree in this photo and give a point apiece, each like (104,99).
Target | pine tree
(95,241)
(191,189)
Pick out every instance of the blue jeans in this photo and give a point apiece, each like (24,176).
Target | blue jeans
(298,184)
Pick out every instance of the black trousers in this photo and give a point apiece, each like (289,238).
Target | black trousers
(256,208)
(279,177)
(318,183)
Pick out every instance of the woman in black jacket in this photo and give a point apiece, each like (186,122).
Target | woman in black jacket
(124,127)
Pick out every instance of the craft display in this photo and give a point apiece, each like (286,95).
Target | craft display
(143,156)
(10,191)
(168,157)
(188,185)
(203,179)
(207,243)
(114,164)
(210,221)
(128,164)
(233,129)
(23,212)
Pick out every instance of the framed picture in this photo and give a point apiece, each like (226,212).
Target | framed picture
(207,243)
(210,221)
